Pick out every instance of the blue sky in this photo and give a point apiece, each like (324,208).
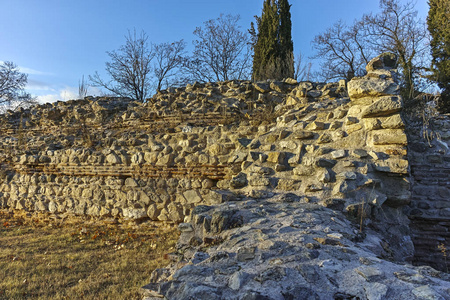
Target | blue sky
(58,41)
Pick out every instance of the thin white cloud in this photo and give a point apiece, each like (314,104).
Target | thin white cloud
(37,85)
(67,93)
(29,71)
(32,71)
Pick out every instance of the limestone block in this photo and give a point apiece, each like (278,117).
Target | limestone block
(192,196)
(303,135)
(216,197)
(153,212)
(258,181)
(387,105)
(292,100)
(360,153)
(288,184)
(52,206)
(393,122)
(360,87)
(314,187)
(217,149)
(261,170)
(355,111)
(290,81)
(261,87)
(294,160)
(303,170)
(130,182)
(337,154)
(347,175)
(290,145)
(372,124)
(351,120)
(387,136)
(207,184)
(392,165)
(113,159)
(276,157)
(175,212)
(134,213)
(340,188)
(316,125)
(314,93)
(238,157)
(23,159)
(285,119)
(238,181)
(386,61)
(166,160)
(280,87)
(324,138)
(325,176)
(326,163)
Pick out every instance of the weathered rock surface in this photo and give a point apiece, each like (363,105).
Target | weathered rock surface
(283,248)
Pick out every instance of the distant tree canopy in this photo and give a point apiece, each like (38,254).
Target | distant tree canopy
(439,26)
(131,66)
(221,51)
(272,43)
(346,50)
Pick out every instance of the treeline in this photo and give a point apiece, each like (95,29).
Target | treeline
(224,51)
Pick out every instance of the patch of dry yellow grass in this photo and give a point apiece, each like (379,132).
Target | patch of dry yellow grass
(75,258)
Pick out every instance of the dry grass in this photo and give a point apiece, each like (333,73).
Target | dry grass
(71,258)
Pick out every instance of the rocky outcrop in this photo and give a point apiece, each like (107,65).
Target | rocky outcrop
(281,247)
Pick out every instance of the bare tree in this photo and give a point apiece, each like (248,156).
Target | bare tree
(302,68)
(82,88)
(12,81)
(343,50)
(169,57)
(222,51)
(12,85)
(129,68)
(397,29)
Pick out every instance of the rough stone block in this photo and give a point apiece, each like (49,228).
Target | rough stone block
(288,184)
(392,165)
(360,87)
(316,126)
(276,157)
(388,136)
(383,107)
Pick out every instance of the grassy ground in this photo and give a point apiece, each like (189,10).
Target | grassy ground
(43,257)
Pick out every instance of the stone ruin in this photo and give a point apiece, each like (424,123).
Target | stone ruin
(282,190)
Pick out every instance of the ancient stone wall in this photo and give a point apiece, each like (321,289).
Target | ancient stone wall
(117,157)
(343,147)
(428,154)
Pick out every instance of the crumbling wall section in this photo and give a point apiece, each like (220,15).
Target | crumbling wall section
(430,203)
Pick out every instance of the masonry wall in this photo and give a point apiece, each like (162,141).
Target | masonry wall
(430,202)
(342,146)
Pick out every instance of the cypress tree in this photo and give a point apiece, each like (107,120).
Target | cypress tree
(273,46)
(265,48)
(286,45)
(439,26)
